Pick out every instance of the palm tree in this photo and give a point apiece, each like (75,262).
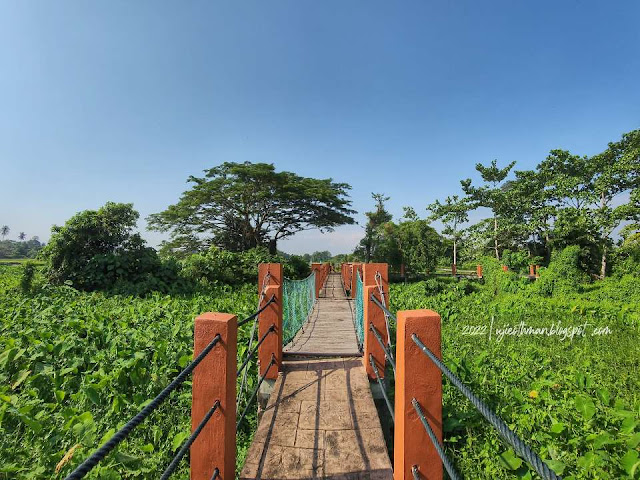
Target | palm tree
(22,236)
(4,231)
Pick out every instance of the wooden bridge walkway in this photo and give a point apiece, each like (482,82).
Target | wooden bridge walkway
(320,420)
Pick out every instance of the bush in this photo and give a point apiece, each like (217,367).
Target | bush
(563,275)
(221,266)
(96,250)
(26,279)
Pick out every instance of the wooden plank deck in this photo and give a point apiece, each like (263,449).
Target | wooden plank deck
(320,420)
(330,329)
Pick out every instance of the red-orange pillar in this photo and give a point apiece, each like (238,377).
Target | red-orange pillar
(272,315)
(373,315)
(317,268)
(505,268)
(479,271)
(454,269)
(417,377)
(214,379)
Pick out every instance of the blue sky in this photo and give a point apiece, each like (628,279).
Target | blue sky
(122,101)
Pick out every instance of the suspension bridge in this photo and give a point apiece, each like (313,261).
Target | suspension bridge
(325,348)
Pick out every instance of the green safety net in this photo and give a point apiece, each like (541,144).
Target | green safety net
(298,298)
(359,311)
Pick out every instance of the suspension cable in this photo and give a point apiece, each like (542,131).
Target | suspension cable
(445,461)
(255,392)
(121,434)
(272,328)
(378,279)
(383,308)
(382,387)
(387,351)
(505,432)
(185,446)
(216,473)
(254,315)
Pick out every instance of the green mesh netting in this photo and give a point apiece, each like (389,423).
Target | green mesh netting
(299,296)
(359,311)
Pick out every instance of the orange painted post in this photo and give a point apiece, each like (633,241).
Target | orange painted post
(272,345)
(215,380)
(532,271)
(417,377)
(317,268)
(454,269)
(537,270)
(479,271)
(373,315)
(354,278)
(505,268)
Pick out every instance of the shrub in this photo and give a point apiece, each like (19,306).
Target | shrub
(26,279)
(563,275)
(96,250)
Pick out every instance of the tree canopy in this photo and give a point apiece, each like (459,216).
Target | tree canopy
(239,206)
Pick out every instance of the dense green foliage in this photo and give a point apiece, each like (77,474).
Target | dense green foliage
(576,401)
(97,250)
(74,366)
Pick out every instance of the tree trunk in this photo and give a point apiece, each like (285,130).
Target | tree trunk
(273,246)
(495,236)
(455,253)
(603,265)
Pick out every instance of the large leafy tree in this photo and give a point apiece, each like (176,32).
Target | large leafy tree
(453,213)
(492,195)
(373,232)
(239,206)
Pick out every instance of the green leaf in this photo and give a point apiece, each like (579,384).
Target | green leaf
(178,439)
(634,440)
(585,406)
(92,394)
(602,440)
(603,395)
(630,462)
(105,438)
(22,376)
(556,465)
(628,425)
(60,394)
(558,427)
(148,448)
(184,360)
(509,460)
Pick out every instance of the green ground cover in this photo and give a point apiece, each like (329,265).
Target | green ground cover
(575,401)
(75,366)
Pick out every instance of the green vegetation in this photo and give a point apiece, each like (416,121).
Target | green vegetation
(575,401)
(76,365)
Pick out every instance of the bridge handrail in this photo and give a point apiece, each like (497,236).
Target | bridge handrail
(520,447)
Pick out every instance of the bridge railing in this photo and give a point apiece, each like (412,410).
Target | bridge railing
(418,368)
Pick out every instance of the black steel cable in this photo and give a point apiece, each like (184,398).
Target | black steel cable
(186,445)
(505,432)
(445,461)
(414,472)
(387,351)
(254,315)
(382,387)
(384,309)
(121,434)
(255,392)
(272,328)
(216,473)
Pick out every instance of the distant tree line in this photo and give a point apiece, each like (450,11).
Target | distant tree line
(18,249)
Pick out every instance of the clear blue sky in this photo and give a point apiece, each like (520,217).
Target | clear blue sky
(122,101)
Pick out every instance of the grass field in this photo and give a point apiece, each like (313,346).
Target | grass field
(19,261)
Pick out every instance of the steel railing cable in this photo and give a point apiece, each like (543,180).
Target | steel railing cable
(121,434)
(378,279)
(376,372)
(505,432)
(383,308)
(186,445)
(263,292)
(255,391)
(414,472)
(216,473)
(445,461)
(387,350)
(254,315)
(271,329)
